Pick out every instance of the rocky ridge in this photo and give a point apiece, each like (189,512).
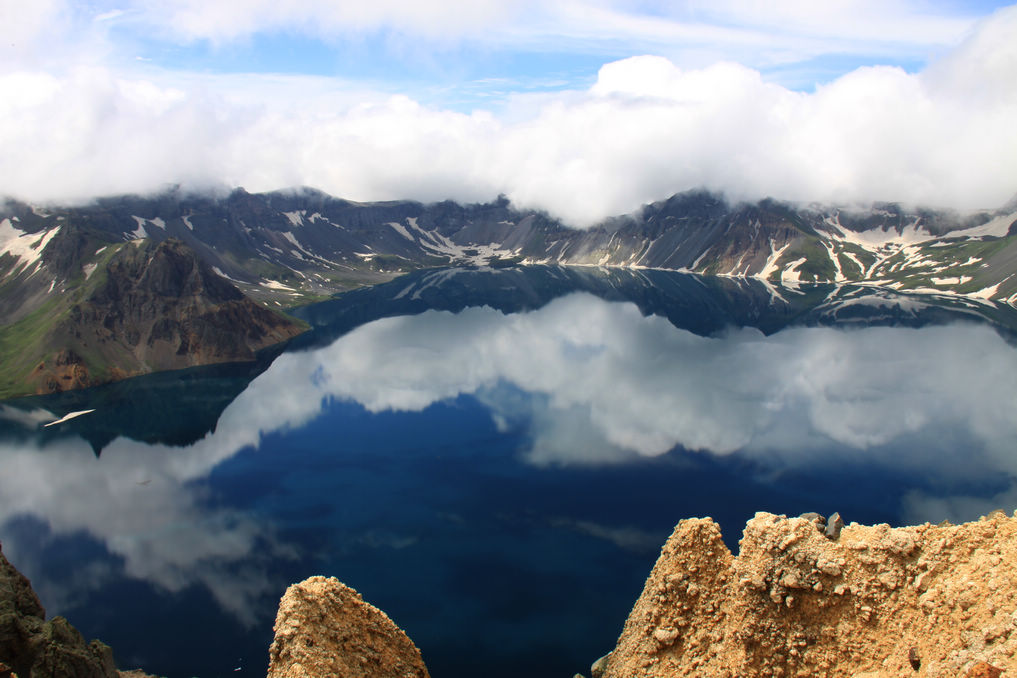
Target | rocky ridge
(802,598)
(170,310)
(876,601)
(31,646)
(324,628)
(297,245)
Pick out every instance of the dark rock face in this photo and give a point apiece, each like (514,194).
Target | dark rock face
(169,270)
(158,307)
(32,646)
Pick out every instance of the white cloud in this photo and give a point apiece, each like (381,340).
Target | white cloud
(778,32)
(644,130)
(224,20)
(23,25)
(857,20)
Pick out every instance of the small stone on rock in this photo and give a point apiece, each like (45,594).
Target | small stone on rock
(816,518)
(833,527)
(984,670)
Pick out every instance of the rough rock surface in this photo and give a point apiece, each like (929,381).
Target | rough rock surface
(324,628)
(875,602)
(154,307)
(32,646)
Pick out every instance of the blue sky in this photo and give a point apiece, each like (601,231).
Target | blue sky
(520,46)
(584,108)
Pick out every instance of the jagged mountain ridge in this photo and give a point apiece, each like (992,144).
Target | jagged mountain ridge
(291,247)
(294,246)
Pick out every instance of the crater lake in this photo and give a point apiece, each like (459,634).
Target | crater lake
(494,457)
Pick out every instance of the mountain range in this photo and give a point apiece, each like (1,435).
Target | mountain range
(131,284)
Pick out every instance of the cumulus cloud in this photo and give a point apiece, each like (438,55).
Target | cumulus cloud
(644,130)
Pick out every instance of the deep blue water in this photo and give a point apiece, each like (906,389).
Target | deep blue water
(497,473)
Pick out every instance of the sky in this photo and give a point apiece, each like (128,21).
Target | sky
(581,108)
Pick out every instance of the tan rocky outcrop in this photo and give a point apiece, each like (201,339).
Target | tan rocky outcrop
(324,628)
(876,602)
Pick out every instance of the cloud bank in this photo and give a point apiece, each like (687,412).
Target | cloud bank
(644,130)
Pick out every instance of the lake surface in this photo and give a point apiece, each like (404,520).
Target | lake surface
(495,457)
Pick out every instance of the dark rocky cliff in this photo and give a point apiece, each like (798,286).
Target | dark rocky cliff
(32,646)
(157,307)
(134,308)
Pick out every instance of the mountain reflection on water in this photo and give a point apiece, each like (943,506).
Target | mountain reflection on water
(495,457)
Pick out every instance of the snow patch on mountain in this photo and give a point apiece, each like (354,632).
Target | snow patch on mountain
(791,274)
(877,238)
(140,231)
(996,228)
(275,285)
(990,291)
(401,230)
(25,247)
(142,221)
(838,274)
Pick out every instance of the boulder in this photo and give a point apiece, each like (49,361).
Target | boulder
(325,628)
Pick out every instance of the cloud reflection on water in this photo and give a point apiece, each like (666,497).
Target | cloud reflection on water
(592,381)
(147,505)
(629,384)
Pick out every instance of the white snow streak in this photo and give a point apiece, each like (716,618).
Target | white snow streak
(791,274)
(26,247)
(401,230)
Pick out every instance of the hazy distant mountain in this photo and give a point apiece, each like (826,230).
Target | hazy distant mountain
(290,247)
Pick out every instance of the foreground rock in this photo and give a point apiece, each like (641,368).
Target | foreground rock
(32,646)
(923,601)
(324,628)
